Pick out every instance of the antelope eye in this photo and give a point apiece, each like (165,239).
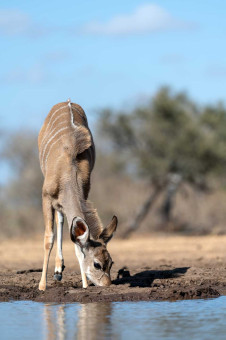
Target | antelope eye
(97,265)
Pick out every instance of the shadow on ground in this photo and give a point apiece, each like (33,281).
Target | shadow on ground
(146,278)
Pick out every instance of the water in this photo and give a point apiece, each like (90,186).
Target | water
(191,319)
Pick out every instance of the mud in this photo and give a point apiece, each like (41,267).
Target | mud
(163,268)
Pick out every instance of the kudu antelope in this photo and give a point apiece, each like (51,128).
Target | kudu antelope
(67,156)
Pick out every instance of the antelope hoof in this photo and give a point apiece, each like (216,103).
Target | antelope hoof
(58,276)
(42,286)
(84,285)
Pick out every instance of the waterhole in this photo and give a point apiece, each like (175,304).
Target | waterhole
(190,319)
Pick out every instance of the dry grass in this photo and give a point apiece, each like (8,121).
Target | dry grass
(24,254)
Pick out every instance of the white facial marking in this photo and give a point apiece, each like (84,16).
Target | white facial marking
(88,272)
(97,261)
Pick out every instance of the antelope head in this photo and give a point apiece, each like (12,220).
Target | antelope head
(95,261)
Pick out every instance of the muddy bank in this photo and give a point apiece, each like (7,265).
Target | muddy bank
(159,268)
(144,285)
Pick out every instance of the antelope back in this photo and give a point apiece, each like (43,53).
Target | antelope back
(65,130)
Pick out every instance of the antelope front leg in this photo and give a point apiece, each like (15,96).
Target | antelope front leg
(48,213)
(59,261)
(79,256)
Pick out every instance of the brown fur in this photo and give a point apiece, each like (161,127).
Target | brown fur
(67,157)
(67,160)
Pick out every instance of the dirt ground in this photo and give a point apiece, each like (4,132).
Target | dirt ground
(148,268)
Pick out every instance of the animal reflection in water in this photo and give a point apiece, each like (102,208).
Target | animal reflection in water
(54,317)
(89,322)
(94,319)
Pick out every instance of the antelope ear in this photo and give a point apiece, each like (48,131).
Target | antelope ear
(79,231)
(108,232)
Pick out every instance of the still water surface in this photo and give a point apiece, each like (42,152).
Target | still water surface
(192,319)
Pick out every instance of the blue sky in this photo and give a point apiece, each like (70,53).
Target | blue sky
(107,54)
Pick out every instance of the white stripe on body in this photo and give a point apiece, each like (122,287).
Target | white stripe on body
(75,108)
(47,134)
(62,114)
(72,116)
(45,163)
(43,151)
(63,107)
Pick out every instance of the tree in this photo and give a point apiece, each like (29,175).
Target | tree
(167,142)
(21,194)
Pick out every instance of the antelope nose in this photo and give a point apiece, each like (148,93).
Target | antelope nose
(105,281)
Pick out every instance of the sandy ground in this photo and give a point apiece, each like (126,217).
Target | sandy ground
(147,268)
